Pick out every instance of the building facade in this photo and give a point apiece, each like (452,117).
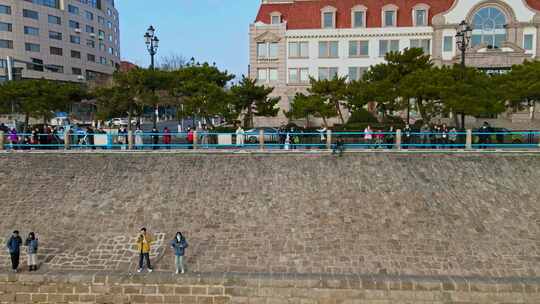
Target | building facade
(292,40)
(66,40)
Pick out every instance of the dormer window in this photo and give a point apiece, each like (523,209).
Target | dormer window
(328,17)
(358,16)
(420,15)
(275,18)
(389,15)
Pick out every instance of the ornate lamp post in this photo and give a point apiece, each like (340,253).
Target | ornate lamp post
(152,44)
(463,39)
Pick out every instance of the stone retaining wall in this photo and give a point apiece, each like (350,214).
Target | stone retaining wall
(262,289)
(417,214)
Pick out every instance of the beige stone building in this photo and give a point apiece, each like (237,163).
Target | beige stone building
(66,40)
(292,40)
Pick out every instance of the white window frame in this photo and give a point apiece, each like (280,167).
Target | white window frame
(328,9)
(328,53)
(532,41)
(420,7)
(328,69)
(358,9)
(299,76)
(360,71)
(389,8)
(267,47)
(268,72)
(421,41)
(274,15)
(358,48)
(298,45)
(389,49)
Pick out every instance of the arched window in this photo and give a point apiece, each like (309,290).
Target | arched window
(489,27)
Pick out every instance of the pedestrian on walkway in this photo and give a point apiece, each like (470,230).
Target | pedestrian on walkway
(14,247)
(167,138)
(139,142)
(240,136)
(368,136)
(32,248)
(144,243)
(179,244)
(155,138)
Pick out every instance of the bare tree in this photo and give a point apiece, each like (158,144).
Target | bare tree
(172,62)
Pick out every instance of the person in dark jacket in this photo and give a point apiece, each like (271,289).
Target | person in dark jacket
(14,247)
(179,245)
(155,138)
(32,247)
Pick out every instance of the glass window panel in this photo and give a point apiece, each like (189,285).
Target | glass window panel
(273,74)
(389,17)
(323,73)
(32,31)
(5,27)
(273,50)
(304,49)
(421,17)
(276,19)
(4,9)
(528,42)
(322,49)
(358,19)
(304,75)
(261,75)
(383,47)
(334,51)
(293,75)
(333,73)
(394,45)
(353,48)
(448,44)
(293,49)
(328,20)
(364,48)
(262,50)
(353,73)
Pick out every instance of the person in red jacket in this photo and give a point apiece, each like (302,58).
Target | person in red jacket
(190,137)
(167,138)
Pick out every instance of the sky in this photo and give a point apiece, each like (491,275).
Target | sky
(208,30)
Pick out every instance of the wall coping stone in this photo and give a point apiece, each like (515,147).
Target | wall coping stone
(284,280)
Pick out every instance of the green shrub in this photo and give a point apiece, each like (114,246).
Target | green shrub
(362,116)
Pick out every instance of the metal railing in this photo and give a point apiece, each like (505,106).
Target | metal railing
(203,140)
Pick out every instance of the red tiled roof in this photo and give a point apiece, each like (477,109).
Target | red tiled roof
(307,14)
(126,66)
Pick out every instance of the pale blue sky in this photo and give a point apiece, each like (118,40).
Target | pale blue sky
(209,30)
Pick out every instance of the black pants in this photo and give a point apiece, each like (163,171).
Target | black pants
(142,257)
(15,260)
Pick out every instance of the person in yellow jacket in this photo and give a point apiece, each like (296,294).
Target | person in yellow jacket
(144,243)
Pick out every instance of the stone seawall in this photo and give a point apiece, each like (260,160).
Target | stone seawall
(469,215)
(263,289)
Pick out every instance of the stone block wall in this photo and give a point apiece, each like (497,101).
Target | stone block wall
(61,288)
(398,214)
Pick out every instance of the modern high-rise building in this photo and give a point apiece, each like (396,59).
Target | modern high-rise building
(66,40)
(292,40)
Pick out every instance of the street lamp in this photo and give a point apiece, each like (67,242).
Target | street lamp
(152,44)
(463,38)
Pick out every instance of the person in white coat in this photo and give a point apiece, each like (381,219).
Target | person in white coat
(139,138)
(239,136)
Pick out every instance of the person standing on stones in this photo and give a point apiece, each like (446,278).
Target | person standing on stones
(32,248)
(144,243)
(179,244)
(14,247)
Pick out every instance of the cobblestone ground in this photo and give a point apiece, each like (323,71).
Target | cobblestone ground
(470,215)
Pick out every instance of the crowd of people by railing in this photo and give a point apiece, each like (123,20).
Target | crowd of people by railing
(437,136)
(144,242)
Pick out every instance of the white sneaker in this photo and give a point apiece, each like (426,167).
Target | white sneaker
(139,270)
(183,271)
(150,270)
(177,271)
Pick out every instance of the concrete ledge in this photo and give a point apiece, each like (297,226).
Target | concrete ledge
(224,288)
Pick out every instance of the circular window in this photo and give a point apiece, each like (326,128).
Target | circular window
(489,27)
